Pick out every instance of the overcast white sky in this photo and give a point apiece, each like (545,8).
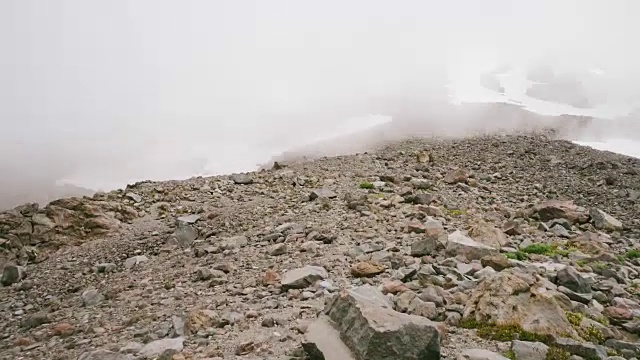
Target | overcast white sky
(155,88)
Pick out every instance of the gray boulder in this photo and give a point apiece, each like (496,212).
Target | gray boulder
(460,244)
(603,221)
(303,277)
(104,355)
(12,274)
(376,332)
(480,354)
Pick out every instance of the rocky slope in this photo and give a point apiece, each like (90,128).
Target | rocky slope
(521,247)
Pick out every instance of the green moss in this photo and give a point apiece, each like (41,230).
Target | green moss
(549,249)
(455,212)
(366,185)
(539,249)
(601,319)
(555,353)
(592,334)
(509,354)
(632,254)
(574,318)
(508,332)
(468,323)
(612,352)
(518,255)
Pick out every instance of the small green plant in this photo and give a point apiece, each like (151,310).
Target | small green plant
(509,354)
(592,334)
(555,353)
(549,249)
(455,212)
(502,332)
(539,249)
(632,254)
(366,185)
(574,318)
(518,255)
(601,319)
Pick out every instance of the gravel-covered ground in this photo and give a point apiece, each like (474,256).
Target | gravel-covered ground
(132,270)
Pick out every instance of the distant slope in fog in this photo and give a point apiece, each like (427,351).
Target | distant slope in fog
(44,194)
(445,120)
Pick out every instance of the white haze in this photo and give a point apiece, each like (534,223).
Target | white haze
(101,93)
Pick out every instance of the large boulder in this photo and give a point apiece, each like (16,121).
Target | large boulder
(71,220)
(603,221)
(460,244)
(516,299)
(488,234)
(559,209)
(372,330)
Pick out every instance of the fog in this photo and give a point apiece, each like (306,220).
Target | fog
(102,93)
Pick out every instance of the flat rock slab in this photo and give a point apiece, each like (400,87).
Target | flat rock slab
(303,277)
(480,354)
(104,355)
(460,244)
(376,332)
(322,342)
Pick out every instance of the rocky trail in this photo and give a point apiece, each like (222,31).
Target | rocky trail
(516,247)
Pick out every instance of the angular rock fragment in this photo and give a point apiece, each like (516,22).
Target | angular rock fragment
(573,280)
(374,332)
(456,176)
(480,354)
(511,297)
(135,261)
(488,235)
(104,355)
(158,347)
(322,193)
(434,234)
(367,269)
(303,277)
(242,179)
(322,342)
(529,350)
(185,234)
(188,219)
(12,274)
(459,244)
(558,209)
(603,221)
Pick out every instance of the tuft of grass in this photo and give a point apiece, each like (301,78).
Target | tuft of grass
(590,333)
(455,212)
(601,319)
(548,250)
(539,249)
(632,254)
(509,354)
(518,255)
(366,185)
(555,353)
(574,318)
(503,332)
